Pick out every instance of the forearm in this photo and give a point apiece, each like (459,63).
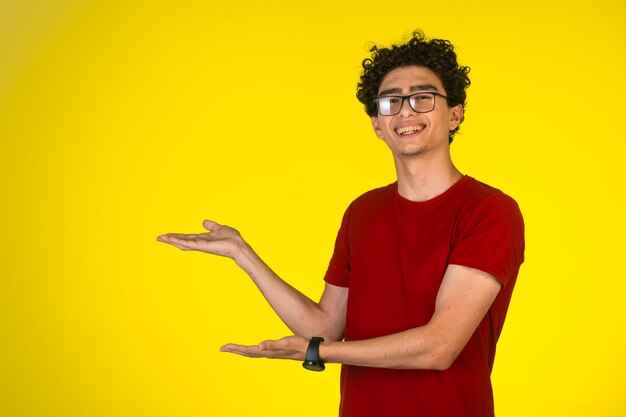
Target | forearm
(303,316)
(418,348)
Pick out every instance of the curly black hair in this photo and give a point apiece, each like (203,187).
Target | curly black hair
(436,54)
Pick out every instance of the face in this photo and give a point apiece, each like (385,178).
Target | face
(409,133)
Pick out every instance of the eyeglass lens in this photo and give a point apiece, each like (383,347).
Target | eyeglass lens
(420,103)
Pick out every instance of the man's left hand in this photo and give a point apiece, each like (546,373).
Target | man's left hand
(290,347)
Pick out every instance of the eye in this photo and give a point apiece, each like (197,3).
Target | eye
(389,105)
(421,97)
(389,101)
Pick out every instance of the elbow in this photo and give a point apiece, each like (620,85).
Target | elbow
(332,336)
(438,349)
(442,363)
(328,336)
(329,333)
(441,358)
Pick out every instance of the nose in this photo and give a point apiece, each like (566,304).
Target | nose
(406,109)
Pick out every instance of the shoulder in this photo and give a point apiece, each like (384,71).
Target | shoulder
(482,197)
(487,210)
(369,205)
(376,194)
(489,232)
(376,197)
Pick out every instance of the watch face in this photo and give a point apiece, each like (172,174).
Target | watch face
(313,365)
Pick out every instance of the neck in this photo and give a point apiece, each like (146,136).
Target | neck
(421,179)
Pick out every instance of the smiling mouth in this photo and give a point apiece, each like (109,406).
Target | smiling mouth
(409,130)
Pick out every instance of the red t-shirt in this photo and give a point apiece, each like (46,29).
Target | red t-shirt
(392,253)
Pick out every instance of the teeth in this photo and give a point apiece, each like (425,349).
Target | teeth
(409,129)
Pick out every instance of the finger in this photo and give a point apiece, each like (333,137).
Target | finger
(184,242)
(219,230)
(273,345)
(210,225)
(280,349)
(233,346)
(276,348)
(168,237)
(249,351)
(254,352)
(180,237)
(189,236)
(179,245)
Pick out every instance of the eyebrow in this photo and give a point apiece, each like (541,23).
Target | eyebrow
(419,87)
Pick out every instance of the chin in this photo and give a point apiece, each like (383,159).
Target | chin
(418,150)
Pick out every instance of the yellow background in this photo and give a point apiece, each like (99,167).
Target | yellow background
(123,120)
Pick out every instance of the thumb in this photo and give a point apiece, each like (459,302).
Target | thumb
(210,225)
(267,345)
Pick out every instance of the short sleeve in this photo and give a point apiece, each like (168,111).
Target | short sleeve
(338,272)
(491,238)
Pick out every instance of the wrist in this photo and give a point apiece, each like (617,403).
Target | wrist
(243,254)
(325,351)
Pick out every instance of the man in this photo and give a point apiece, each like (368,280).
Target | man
(423,269)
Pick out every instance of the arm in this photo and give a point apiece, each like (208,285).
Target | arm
(464,297)
(302,315)
(463,300)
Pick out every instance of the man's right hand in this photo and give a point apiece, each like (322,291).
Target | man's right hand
(219,240)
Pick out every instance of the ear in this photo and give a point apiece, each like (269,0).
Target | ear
(456,115)
(376,126)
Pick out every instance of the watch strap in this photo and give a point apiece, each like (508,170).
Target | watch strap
(312,360)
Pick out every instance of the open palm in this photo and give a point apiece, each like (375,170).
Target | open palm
(219,240)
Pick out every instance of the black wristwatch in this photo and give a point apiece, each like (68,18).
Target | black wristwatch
(312,360)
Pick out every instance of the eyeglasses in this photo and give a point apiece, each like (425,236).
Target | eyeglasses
(419,102)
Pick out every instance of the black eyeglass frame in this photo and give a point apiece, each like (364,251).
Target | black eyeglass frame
(405,98)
